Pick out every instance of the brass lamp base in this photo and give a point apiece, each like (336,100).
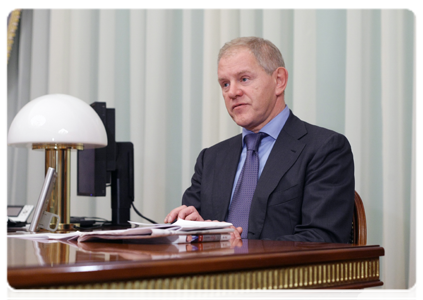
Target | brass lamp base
(57,156)
(67,227)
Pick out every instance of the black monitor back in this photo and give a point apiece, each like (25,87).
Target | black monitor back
(94,166)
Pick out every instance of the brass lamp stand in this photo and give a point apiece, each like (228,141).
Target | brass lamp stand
(57,156)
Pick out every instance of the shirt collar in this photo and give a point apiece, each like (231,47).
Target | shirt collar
(274,127)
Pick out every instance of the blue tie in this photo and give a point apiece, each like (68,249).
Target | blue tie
(239,210)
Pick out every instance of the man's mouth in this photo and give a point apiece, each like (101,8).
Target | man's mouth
(238,105)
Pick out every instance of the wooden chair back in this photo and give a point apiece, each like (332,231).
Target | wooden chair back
(359,225)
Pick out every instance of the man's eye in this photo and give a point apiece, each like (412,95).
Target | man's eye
(225,85)
(244,79)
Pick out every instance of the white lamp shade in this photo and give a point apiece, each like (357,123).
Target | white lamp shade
(57,119)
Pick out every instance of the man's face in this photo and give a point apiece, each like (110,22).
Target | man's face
(250,93)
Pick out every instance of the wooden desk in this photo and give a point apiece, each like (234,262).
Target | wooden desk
(249,264)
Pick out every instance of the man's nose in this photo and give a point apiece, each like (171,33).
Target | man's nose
(234,91)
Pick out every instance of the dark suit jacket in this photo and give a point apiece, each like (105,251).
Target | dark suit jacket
(305,192)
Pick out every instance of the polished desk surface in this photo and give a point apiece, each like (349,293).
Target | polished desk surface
(33,264)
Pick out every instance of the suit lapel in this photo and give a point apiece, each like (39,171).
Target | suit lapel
(226,165)
(285,152)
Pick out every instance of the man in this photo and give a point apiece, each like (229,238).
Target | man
(304,189)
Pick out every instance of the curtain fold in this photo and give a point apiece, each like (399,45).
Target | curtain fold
(396,140)
(349,70)
(304,65)
(354,90)
(137,96)
(414,249)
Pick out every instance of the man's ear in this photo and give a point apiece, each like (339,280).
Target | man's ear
(281,77)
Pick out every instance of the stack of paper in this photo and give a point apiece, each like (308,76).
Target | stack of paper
(181,231)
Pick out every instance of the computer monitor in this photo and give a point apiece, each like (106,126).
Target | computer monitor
(111,166)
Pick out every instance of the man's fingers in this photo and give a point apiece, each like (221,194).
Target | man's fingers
(190,214)
(236,234)
(174,214)
(183,212)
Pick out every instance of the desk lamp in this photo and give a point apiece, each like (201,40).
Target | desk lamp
(58,123)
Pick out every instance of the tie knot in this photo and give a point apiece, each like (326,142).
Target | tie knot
(253,140)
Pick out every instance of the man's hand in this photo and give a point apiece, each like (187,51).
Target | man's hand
(236,234)
(184,212)
(191,214)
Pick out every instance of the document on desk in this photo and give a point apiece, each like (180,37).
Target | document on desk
(181,231)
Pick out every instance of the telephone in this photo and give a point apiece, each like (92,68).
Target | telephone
(18,213)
